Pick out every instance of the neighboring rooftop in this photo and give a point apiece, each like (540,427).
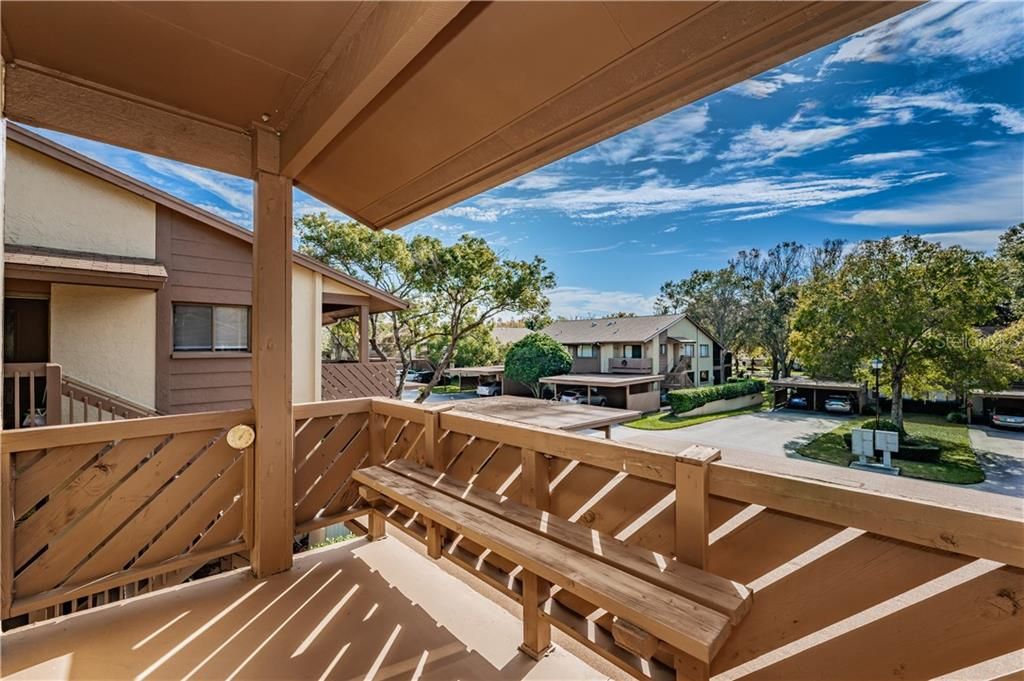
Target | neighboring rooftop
(821,383)
(610,329)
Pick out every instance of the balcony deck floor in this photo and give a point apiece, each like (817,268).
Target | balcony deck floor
(351,611)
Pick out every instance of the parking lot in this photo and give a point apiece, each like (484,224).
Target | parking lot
(770,432)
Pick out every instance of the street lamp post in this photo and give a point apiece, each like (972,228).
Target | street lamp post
(876,366)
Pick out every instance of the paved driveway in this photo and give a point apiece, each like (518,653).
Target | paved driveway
(770,432)
(1001,455)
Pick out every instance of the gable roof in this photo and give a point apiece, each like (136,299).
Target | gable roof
(611,329)
(31,140)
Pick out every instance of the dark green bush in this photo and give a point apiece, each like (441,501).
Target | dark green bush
(956,417)
(690,398)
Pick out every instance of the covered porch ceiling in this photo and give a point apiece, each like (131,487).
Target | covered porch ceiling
(390,111)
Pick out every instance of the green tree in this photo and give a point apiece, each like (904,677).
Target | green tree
(468,285)
(476,348)
(1010,255)
(907,301)
(534,357)
(716,299)
(1006,350)
(389,262)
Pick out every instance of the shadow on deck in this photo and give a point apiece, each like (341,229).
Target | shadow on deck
(353,611)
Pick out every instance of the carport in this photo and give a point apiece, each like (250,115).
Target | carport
(816,391)
(497,371)
(635,392)
(548,414)
(982,403)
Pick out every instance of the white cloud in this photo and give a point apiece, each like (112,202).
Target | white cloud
(974,239)
(669,230)
(673,136)
(801,134)
(600,249)
(884,157)
(759,88)
(951,102)
(744,199)
(538,180)
(979,34)
(995,199)
(234,191)
(578,301)
(472,213)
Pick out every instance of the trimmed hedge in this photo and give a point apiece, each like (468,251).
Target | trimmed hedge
(957,417)
(684,400)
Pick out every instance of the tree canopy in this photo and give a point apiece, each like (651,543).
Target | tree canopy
(910,302)
(535,357)
(452,290)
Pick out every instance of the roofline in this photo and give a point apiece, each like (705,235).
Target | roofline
(59,152)
(620,340)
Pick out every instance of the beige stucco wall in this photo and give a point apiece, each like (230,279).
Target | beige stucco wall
(684,328)
(54,205)
(306,295)
(332,286)
(106,337)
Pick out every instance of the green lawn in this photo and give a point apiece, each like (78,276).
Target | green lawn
(664,420)
(448,389)
(957,465)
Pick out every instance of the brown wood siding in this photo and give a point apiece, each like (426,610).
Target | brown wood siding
(203,266)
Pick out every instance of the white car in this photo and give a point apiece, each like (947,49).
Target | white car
(1008,418)
(580,397)
(838,404)
(489,389)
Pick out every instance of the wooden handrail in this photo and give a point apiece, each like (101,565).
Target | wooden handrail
(103,401)
(16,371)
(926,523)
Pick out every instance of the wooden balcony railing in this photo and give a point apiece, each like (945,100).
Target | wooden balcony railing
(120,508)
(87,403)
(345,380)
(630,365)
(34,389)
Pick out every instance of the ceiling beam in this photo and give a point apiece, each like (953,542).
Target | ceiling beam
(47,99)
(379,41)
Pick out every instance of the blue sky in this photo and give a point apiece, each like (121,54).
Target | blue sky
(915,125)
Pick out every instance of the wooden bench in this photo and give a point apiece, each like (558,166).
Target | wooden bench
(656,603)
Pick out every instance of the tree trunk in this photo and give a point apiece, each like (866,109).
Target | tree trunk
(896,412)
(441,367)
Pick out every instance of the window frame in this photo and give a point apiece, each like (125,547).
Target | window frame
(589,348)
(705,350)
(212,349)
(689,350)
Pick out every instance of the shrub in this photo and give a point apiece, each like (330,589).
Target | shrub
(956,417)
(535,357)
(688,399)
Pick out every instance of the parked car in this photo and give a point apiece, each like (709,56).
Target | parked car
(580,397)
(797,402)
(488,389)
(420,376)
(1008,418)
(838,404)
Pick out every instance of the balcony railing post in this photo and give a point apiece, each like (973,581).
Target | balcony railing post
(54,409)
(273,509)
(693,480)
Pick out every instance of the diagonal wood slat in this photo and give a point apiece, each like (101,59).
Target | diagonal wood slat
(162,511)
(103,519)
(50,472)
(92,484)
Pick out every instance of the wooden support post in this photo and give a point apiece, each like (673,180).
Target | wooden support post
(6,471)
(377,529)
(53,401)
(689,668)
(364,333)
(536,631)
(435,539)
(535,492)
(693,478)
(273,522)
(378,449)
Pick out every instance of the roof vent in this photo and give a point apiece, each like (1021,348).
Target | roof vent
(593,324)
